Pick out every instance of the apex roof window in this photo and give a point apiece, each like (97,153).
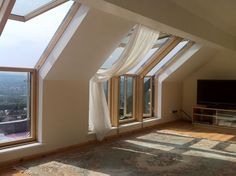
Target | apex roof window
(24,10)
(22,43)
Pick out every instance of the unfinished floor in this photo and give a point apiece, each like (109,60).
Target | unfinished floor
(174,149)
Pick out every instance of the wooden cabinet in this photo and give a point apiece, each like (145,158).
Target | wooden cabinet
(216,117)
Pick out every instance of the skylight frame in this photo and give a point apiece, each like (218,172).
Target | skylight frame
(176,57)
(37,11)
(5,10)
(142,64)
(159,55)
(58,34)
(71,7)
(169,57)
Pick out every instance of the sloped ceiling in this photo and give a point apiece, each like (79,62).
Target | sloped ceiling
(199,59)
(172,15)
(220,13)
(100,32)
(94,40)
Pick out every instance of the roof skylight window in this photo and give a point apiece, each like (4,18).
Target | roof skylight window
(24,7)
(117,52)
(113,58)
(168,57)
(120,49)
(143,61)
(22,44)
(151,53)
(24,10)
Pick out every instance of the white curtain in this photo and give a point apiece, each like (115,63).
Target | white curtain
(140,43)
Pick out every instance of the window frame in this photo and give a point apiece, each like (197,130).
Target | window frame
(35,71)
(132,116)
(174,41)
(58,34)
(33,107)
(147,115)
(37,11)
(5,10)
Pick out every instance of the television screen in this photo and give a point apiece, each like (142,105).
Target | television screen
(220,93)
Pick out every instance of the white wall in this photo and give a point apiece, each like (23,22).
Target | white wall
(222,66)
(170,99)
(63,86)
(170,92)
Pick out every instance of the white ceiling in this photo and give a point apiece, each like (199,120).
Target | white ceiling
(175,17)
(220,13)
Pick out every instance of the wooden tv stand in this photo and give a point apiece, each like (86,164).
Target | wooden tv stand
(214,117)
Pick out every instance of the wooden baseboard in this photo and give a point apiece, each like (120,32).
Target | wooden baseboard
(9,163)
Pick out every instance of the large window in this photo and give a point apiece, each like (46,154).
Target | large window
(133,96)
(29,39)
(24,46)
(16,107)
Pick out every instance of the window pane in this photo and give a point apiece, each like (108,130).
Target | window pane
(15,117)
(143,61)
(24,7)
(22,44)
(117,52)
(147,95)
(122,88)
(113,58)
(168,57)
(126,97)
(129,96)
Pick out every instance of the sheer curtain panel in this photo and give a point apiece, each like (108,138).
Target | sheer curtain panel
(140,43)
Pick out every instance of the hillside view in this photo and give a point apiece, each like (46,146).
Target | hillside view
(14,90)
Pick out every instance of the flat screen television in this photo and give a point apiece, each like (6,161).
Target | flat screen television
(217,93)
